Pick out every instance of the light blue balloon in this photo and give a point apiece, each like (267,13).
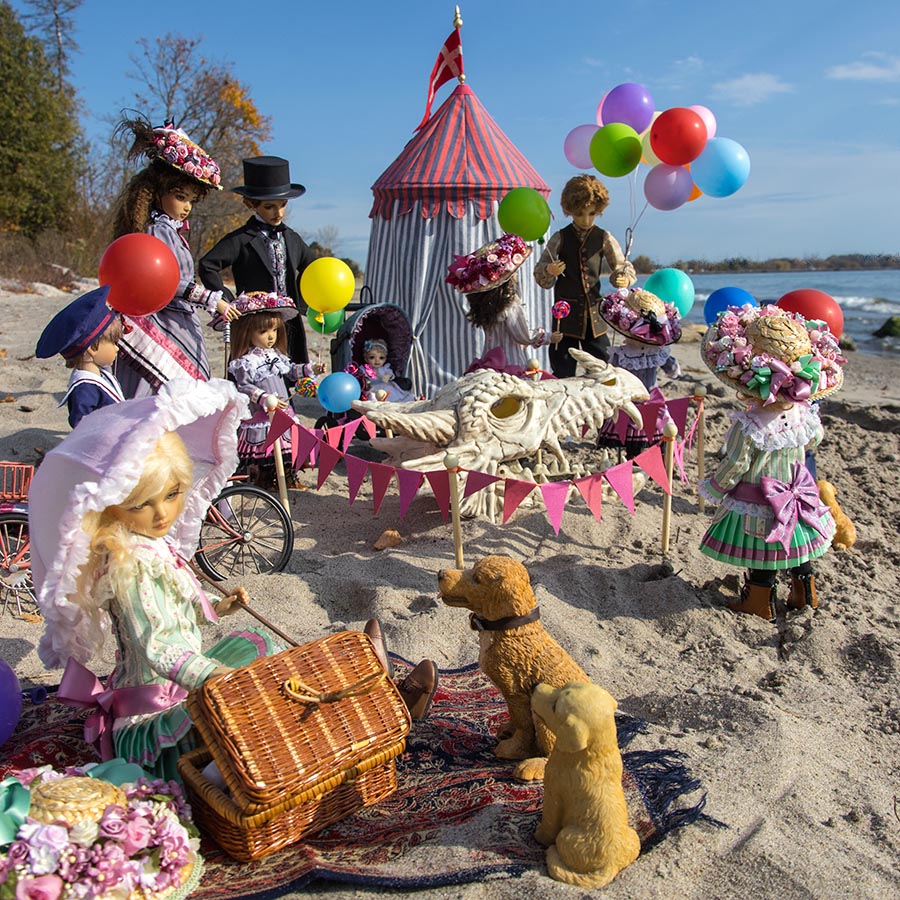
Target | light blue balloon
(672,286)
(719,300)
(722,167)
(337,391)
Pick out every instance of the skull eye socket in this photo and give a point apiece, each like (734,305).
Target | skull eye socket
(506,407)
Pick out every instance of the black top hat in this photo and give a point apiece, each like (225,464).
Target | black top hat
(268,178)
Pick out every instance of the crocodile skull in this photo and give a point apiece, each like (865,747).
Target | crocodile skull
(487,419)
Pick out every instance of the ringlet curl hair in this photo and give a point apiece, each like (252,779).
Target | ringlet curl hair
(486,307)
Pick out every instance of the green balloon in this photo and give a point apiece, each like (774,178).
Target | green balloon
(523,211)
(331,321)
(615,149)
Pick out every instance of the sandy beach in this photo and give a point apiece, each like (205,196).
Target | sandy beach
(793,728)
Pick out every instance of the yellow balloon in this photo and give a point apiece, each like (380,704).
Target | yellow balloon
(648,157)
(327,284)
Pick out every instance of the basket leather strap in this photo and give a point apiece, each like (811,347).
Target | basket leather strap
(297,690)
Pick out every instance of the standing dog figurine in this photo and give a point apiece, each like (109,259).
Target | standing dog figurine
(515,652)
(585,820)
(844,529)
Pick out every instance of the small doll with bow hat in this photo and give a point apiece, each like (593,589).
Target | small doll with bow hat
(488,278)
(86,333)
(381,383)
(770,516)
(648,328)
(260,368)
(158,200)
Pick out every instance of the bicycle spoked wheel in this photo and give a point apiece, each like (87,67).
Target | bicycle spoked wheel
(16,585)
(246,532)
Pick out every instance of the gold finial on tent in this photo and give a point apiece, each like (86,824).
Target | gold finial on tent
(457,24)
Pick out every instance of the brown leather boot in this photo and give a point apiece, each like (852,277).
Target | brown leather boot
(803,592)
(756,599)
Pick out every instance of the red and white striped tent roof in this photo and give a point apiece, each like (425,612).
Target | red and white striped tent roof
(438,199)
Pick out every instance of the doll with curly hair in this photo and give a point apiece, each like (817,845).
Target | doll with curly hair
(572,265)
(158,200)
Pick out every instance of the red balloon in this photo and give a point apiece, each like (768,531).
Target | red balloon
(812,304)
(678,136)
(142,274)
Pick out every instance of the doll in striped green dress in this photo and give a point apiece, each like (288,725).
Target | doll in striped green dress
(770,517)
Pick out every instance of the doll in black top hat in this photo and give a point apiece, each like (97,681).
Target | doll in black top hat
(264,254)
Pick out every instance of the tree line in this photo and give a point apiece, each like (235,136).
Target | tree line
(56,200)
(834,263)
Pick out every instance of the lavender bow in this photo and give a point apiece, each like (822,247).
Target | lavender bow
(792,502)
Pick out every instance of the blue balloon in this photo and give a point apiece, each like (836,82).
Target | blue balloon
(722,167)
(10,701)
(337,391)
(719,300)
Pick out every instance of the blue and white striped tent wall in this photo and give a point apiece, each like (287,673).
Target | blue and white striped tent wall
(438,199)
(408,259)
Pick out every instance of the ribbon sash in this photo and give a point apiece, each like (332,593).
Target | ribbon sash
(792,502)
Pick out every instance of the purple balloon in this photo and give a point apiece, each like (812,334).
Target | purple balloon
(629,103)
(668,187)
(577,146)
(10,701)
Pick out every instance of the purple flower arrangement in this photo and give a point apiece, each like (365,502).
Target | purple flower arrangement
(178,150)
(146,847)
(489,266)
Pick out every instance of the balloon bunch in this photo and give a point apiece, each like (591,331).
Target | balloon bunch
(327,285)
(680,145)
(813,305)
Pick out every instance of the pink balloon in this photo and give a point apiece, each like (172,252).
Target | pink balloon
(577,146)
(709,120)
(668,187)
(600,109)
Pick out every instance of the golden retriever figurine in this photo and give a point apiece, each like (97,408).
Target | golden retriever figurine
(845,530)
(584,824)
(515,652)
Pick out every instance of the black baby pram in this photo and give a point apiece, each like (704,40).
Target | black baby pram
(371,321)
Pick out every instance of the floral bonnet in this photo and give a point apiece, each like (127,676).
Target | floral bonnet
(489,266)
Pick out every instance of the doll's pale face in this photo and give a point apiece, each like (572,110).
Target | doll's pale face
(376,357)
(155,516)
(264,338)
(584,218)
(106,352)
(178,203)
(271,211)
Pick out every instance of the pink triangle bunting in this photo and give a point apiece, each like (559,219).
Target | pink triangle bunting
(409,482)
(350,430)
(619,478)
(381,478)
(678,411)
(369,426)
(591,488)
(554,494)
(514,492)
(280,423)
(328,459)
(649,415)
(440,484)
(679,459)
(356,474)
(334,435)
(621,426)
(651,461)
(304,444)
(476,481)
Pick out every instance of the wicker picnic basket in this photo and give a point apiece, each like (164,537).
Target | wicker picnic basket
(302,739)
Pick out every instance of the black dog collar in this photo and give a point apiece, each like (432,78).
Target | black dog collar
(477,623)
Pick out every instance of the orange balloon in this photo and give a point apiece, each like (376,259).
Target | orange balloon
(695,193)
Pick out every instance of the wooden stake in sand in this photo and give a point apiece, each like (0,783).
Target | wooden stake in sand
(271,402)
(670,430)
(533,371)
(700,397)
(451,463)
(227,336)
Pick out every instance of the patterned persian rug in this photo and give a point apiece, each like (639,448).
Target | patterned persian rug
(458,816)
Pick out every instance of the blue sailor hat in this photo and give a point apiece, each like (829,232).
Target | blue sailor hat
(76,326)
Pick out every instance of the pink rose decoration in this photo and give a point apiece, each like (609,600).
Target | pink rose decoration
(41,887)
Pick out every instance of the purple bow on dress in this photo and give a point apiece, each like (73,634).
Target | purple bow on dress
(792,502)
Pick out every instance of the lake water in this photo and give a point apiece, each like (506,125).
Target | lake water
(866,297)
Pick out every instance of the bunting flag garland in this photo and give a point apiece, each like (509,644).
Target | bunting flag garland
(650,415)
(303,442)
(440,485)
(591,489)
(514,493)
(619,478)
(333,436)
(280,423)
(678,411)
(409,482)
(357,469)
(328,459)
(381,479)
(554,494)
(476,481)
(651,461)
(369,426)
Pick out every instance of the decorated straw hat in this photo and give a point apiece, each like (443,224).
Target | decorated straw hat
(641,316)
(773,354)
(170,145)
(259,302)
(489,266)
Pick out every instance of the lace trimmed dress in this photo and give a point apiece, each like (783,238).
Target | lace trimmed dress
(763,442)
(156,606)
(395,393)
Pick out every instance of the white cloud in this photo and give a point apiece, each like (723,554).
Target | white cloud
(872,67)
(750,89)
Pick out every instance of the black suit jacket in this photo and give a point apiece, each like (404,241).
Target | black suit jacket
(244,249)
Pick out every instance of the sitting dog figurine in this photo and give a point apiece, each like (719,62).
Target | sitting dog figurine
(584,824)
(515,652)
(844,529)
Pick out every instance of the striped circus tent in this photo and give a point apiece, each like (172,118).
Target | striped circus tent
(438,199)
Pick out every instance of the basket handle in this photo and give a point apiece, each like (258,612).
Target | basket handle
(303,693)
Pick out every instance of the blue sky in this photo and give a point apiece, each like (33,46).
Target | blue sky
(810,89)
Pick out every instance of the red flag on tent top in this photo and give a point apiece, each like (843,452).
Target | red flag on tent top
(449,64)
